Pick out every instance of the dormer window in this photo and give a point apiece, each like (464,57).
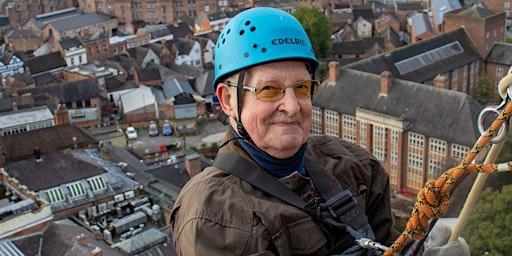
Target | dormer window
(55,195)
(76,189)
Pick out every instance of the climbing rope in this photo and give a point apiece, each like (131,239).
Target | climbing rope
(433,200)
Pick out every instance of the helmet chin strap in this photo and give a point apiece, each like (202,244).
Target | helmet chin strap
(239,126)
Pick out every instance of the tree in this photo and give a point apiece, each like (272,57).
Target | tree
(488,228)
(483,91)
(319,30)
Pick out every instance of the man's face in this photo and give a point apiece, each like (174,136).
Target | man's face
(278,127)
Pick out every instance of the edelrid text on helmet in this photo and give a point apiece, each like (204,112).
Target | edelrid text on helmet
(260,35)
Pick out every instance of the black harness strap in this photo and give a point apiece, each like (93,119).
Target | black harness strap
(339,210)
(257,177)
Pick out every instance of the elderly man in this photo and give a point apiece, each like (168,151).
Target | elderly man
(273,189)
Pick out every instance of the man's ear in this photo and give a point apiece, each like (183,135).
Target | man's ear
(227,99)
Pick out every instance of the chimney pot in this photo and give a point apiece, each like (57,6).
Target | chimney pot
(81,239)
(441,82)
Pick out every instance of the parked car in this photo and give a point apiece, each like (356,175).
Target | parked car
(166,129)
(153,129)
(131,133)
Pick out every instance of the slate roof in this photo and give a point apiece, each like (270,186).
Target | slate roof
(203,84)
(180,30)
(138,53)
(79,21)
(50,139)
(184,46)
(63,232)
(387,61)
(175,87)
(69,91)
(452,116)
(188,71)
(55,169)
(45,62)
(443,6)
(43,19)
(22,33)
(359,47)
(70,43)
(500,53)
(476,11)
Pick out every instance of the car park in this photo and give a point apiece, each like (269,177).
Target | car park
(166,129)
(153,129)
(131,133)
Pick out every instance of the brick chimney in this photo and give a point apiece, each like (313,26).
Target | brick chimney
(81,239)
(334,69)
(385,82)
(61,115)
(26,98)
(441,82)
(193,164)
(96,252)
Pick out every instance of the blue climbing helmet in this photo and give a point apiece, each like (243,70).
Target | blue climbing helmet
(260,35)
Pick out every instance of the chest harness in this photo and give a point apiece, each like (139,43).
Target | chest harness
(337,208)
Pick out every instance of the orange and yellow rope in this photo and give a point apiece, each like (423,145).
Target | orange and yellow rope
(433,199)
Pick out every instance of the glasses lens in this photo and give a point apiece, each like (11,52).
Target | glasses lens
(270,92)
(302,89)
(275,91)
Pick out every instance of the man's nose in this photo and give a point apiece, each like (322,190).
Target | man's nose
(289,102)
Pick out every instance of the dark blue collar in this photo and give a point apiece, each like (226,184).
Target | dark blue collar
(277,167)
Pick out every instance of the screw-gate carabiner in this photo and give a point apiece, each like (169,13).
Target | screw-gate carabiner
(495,109)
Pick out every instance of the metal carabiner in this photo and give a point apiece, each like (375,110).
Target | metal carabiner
(495,109)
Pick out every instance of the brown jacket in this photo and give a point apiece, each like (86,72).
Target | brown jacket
(217,213)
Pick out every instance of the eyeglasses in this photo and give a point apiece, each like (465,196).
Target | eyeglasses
(274,91)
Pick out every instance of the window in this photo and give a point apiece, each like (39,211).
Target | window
(55,195)
(437,153)
(163,9)
(97,183)
(331,122)
(363,133)
(415,160)
(459,152)
(349,128)
(379,142)
(499,70)
(316,125)
(506,5)
(76,189)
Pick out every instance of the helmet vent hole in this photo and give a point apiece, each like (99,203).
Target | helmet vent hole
(229,30)
(254,45)
(253,29)
(263,49)
(246,54)
(242,32)
(223,40)
(220,66)
(247,23)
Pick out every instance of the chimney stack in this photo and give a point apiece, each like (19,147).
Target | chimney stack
(385,82)
(334,68)
(192,164)
(441,82)
(26,98)
(61,115)
(96,252)
(81,239)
